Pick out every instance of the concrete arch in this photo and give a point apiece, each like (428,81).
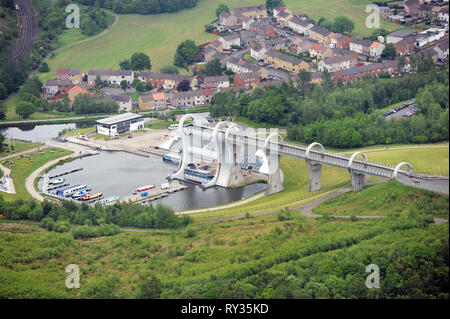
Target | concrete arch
(215,137)
(310,147)
(270,137)
(352,158)
(185,141)
(400,165)
(228,145)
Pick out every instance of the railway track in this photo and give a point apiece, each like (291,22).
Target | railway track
(28,27)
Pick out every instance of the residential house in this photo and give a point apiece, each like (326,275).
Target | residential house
(111,76)
(191,98)
(442,49)
(399,35)
(337,63)
(257,52)
(280,9)
(273,44)
(405,46)
(240,66)
(250,38)
(166,81)
(62,74)
(75,91)
(300,45)
(359,72)
(246,79)
(299,25)
(360,46)
(376,48)
(73,75)
(441,13)
(316,78)
(265,27)
(340,41)
(283,18)
(57,88)
(254,12)
(285,62)
(320,35)
(320,52)
(412,6)
(246,22)
(216,45)
(216,82)
(154,101)
(230,40)
(227,19)
(123,101)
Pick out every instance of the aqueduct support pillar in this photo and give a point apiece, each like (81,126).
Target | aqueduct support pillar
(230,173)
(358,179)
(315,169)
(275,183)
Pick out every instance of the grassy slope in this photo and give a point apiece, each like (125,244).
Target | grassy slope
(384,199)
(159,35)
(24,167)
(33,261)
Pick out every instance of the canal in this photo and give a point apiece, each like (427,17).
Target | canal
(119,173)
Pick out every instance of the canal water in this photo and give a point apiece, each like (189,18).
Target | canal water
(37,133)
(119,173)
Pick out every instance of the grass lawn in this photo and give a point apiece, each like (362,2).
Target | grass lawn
(159,124)
(24,167)
(19,146)
(134,96)
(384,199)
(12,116)
(80,131)
(296,190)
(159,35)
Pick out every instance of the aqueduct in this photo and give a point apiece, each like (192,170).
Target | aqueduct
(229,141)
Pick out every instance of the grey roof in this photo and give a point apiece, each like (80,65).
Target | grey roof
(74,72)
(231,37)
(338,59)
(288,58)
(220,78)
(402,33)
(250,75)
(120,98)
(119,118)
(283,14)
(274,41)
(240,11)
(58,83)
(302,22)
(165,76)
(363,42)
(320,30)
(111,72)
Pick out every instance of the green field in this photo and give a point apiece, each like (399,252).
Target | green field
(386,199)
(19,146)
(159,35)
(23,167)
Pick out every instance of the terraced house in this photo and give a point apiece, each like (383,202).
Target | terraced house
(254,12)
(111,76)
(285,62)
(299,25)
(191,98)
(73,75)
(337,63)
(320,35)
(166,81)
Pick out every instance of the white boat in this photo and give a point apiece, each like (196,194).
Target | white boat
(109,199)
(79,194)
(165,186)
(57,181)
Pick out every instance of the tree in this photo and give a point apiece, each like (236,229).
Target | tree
(140,61)
(214,68)
(124,85)
(2,111)
(343,24)
(24,109)
(148,86)
(303,79)
(125,64)
(169,69)
(140,87)
(3,91)
(44,67)
(99,83)
(149,288)
(209,27)
(327,79)
(389,52)
(187,52)
(184,85)
(402,65)
(271,4)
(222,8)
